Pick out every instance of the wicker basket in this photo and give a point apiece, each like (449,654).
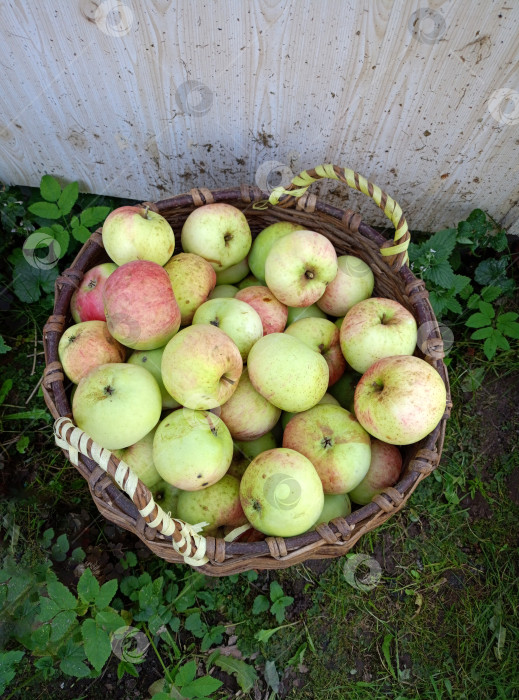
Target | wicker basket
(125,501)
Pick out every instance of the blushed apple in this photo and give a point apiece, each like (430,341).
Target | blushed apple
(137,233)
(327,399)
(139,457)
(140,306)
(201,367)
(377,328)
(87,301)
(192,279)
(152,361)
(353,283)
(335,443)
(219,233)
(223,291)
(233,274)
(384,470)
(272,312)
(263,243)
(323,337)
(296,313)
(86,345)
(216,505)
(287,372)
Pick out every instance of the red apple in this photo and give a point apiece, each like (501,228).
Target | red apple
(272,312)
(86,345)
(87,301)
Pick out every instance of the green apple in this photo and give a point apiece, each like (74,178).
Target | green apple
(252,448)
(400,399)
(335,506)
(233,274)
(238,466)
(281,493)
(295,313)
(322,336)
(136,233)
(299,266)
(201,367)
(247,414)
(192,449)
(353,283)
(338,322)
(219,233)
(139,457)
(376,328)
(335,443)
(152,361)
(86,345)
(216,505)
(272,312)
(192,279)
(235,318)
(327,398)
(344,389)
(223,291)
(384,470)
(249,281)
(263,243)
(166,496)
(287,372)
(117,404)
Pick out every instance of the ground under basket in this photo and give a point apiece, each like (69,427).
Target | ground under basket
(122,499)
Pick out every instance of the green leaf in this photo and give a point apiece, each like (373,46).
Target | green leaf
(61,595)
(486,309)
(61,624)
(97,644)
(60,548)
(78,554)
(492,272)
(276,591)
(8,661)
(50,189)
(48,609)
(109,620)
(386,650)
(212,638)
(22,444)
(47,538)
(45,210)
(3,347)
(264,635)
(502,342)
(508,325)
(441,274)
(491,293)
(204,686)
(490,346)
(460,283)
(105,595)
(61,236)
(88,586)
(81,234)
(74,666)
(482,333)
(477,320)
(195,625)
(28,280)
(68,198)
(271,675)
(94,215)
(261,603)
(278,608)
(452,304)
(245,674)
(6,387)
(127,667)
(35,414)
(442,243)
(186,673)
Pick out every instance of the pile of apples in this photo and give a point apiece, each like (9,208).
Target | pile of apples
(254,386)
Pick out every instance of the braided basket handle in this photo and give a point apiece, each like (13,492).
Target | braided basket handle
(282,196)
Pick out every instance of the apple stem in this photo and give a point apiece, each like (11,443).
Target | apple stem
(146,210)
(229,381)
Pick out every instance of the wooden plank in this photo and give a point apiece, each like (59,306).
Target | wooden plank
(148,99)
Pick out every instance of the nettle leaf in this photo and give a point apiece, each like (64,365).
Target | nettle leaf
(88,587)
(442,243)
(452,304)
(492,272)
(105,595)
(68,198)
(261,603)
(50,189)
(97,644)
(45,210)
(460,283)
(477,321)
(28,281)
(441,273)
(94,215)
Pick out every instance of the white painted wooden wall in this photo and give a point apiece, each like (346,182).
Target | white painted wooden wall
(147,98)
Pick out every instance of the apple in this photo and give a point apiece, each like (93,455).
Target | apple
(344,389)
(192,449)
(223,291)
(249,281)
(152,361)
(235,318)
(252,448)
(139,457)
(86,345)
(263,243)
(335,443)
(377,328)
(336,505)
(384,470)
(353,283)
(166,496)
(219,233)
(136,233)
(327,398)
(272,312)
(287,372)
(322,336)
(338,322)
(400,399)
(140,306)
(281,493)
(87,301)
(247,414)
(238,466)
(192,279)
(216,505)
(299,266)
(296,313)
(233,274)
(201,367)
(117,404)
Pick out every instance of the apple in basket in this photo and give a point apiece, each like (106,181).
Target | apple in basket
(216,505)
(151,360)
(263,243)
(233,274)
(322,336)
(354,282)
(295,313)
(87,301)
(86,345)
(384,470)
(335,506)
(223,291)
(136,233)
(272,312)
(192,279)
(139,457)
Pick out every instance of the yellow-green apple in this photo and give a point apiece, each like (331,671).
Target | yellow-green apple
(140,306)
(201,367)
(152,361)
(166,496)
(252,448)
(219,233)
(281,493)
(235,318)
(353,283)
(192,279)
(117,404)
(336,505)
(377,328)
(223,291)
(400,399)
(296,313)
(87,301)
(136,233)
(384,470)
(247,414)
(322,336)
(139,457)
(233,274)
(215,505)
(272,312)
(344,389)
(192,449)
(238,465)
(249,281)
(263,243)
(287,372)
(335,443)
(327,398)
(299,266)
(86,345)
(338,322)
